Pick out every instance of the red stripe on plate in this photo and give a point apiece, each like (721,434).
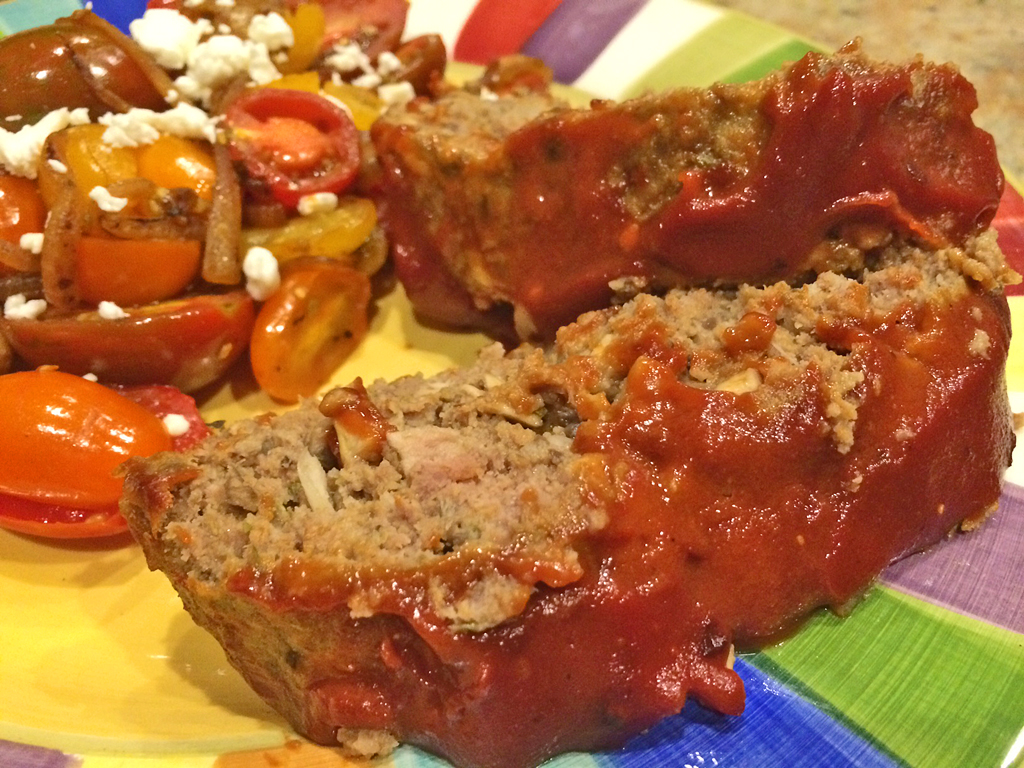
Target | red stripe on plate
(496,28)
(1009,226)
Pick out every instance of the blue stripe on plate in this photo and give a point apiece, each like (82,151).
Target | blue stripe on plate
(119,12)
(778,728)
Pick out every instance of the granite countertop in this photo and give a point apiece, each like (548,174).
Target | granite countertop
(985,38)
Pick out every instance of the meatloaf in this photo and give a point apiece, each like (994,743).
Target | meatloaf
(557,546)
(516,208)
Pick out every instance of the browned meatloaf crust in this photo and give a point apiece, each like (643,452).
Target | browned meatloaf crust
(520,206)
(555,547)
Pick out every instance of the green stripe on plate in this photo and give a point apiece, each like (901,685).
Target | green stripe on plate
(16,15)
(731,49)
(934,688)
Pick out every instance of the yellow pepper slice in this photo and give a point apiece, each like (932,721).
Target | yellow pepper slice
(332,234)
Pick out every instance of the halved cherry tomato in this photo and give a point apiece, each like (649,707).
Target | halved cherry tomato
(41,518)
(187,343)
(132,272)
(296,142)
(54,521)
(172,161)
(308,27)
(63,436)
(376,23)
(308,327)
(327,234)
(21,208)
(163,400)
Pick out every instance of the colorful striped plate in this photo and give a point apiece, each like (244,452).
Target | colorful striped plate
(101,668)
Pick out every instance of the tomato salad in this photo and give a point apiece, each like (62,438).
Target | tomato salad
(170,200)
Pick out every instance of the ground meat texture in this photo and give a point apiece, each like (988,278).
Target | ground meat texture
(524,211)
(557,546)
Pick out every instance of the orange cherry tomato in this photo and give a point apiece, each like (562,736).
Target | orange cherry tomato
(172,162)
(63,436)
(21,208)
(308,327)
(133,272)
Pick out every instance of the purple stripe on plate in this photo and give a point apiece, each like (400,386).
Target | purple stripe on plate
(978,573)
(24,756)
(576,33)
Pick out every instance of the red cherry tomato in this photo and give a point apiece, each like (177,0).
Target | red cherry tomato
(187,343)
(296,142)
(53,521)
(377,24)
(62,436)
(308,327)
(163,400)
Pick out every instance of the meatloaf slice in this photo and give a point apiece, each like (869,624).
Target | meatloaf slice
(523,203)
(553,548)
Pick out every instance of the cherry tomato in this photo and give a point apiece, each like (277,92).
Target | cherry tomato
(308,327)
(376,23)
(79,61)
(187,343)
(133,272)
(41,518)
(54,521)
(172,162)
(308,28)
(21,208)
(163,400)
(63,436)
(296,142)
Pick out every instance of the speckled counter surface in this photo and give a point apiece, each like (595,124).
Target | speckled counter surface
(985,38)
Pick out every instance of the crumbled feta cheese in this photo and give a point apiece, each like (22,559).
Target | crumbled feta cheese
(272,30)
(32,242)
(388,63)
(57,166)
(318,202)
(175,424)
(487,94)
(262,276)
(106,201)
(348,58)
(218,59)
(172,96)
(19,151)
(17,307)
(224,29)
(12,118)
(225,3)
(168,36)
(368,80)
(140,126)
(90,377)
(108,310)
(393,94)
(193,3)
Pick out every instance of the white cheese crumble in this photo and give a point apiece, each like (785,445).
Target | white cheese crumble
(90,377)
(348,57)
(57,166)
(368,80)
(175,424)
(398,93)
(32,242)
(140,126)
(262,276)
(108,310)
(487,94)
(318,202)
(218,59)
(168,36)
(106,201)
(388,63)
(19,151)
(272,30)
(17,307)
